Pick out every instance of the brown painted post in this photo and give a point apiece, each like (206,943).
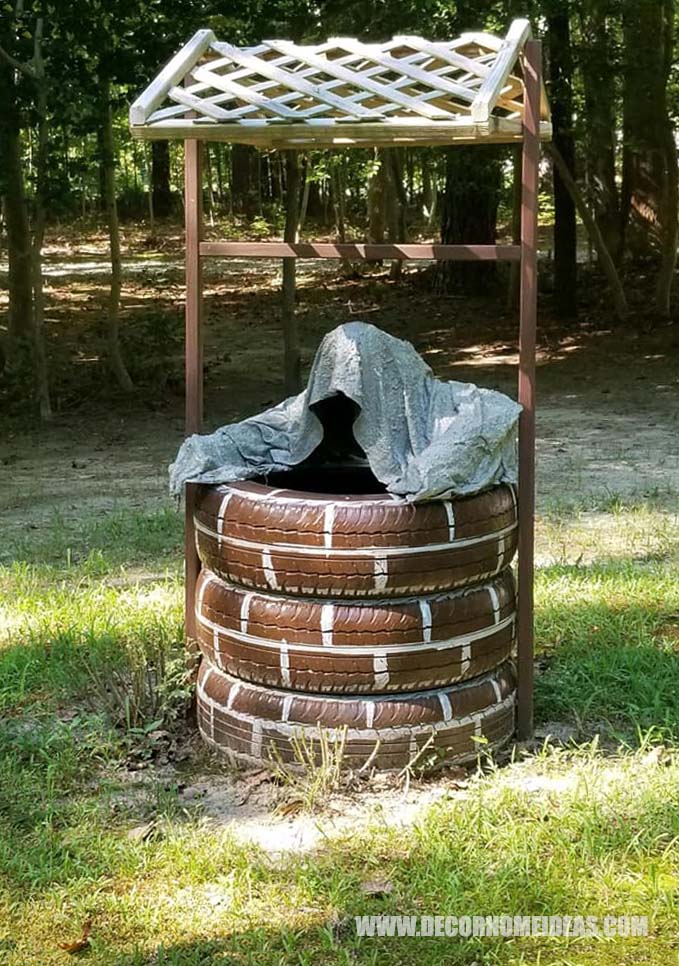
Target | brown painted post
(193,208)
(528,322)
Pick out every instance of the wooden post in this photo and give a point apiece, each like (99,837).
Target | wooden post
(528,322)
(292,354)
(193,215)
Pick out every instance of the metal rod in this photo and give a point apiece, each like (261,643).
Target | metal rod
(508,253)
(526,392)
(193,208)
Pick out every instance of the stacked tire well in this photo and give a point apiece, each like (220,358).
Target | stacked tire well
(387,624)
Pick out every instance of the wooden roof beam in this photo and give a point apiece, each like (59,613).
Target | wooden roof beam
(497,76)
(172,73)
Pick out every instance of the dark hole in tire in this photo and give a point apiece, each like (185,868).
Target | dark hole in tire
(347,480)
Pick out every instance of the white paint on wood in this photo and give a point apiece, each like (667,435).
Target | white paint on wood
(283,94)
(329,132)
(507,54)
(174,71)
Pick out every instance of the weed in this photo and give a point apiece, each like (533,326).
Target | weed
(316,769)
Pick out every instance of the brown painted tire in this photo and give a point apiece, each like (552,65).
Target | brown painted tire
(392,645)
(321,545)
(255,724)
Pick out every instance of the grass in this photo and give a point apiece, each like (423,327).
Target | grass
(592,828)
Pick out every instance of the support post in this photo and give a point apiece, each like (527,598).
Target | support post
(193,208)
(532,63)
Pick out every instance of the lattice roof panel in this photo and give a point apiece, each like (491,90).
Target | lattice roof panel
(343,91)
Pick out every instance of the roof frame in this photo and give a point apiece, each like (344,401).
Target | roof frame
(342,92)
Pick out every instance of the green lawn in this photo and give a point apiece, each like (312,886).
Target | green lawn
(91,670)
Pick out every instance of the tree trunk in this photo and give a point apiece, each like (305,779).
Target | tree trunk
(304,203)
(376,201)
(338,186)
(409,164)
(219,148)
(160,178)
(41,164)
(669,228)
(243,186)
(292,353)
(561,99)
(210,193)
(35,71)
(514,284)
(647,161)
(469,216)
(108,180)
(148,154)
(315,207)
(397,202)
(428,190)
(605,261)
(26,259)
(20,321)
(599,75)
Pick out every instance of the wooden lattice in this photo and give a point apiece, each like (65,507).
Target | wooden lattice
(341,91)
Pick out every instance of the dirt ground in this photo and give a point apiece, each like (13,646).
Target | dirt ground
(608,397)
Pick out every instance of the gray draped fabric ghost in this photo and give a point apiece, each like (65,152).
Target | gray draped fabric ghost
(423,438)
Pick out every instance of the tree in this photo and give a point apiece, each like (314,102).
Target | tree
(34,71)
(472,188)
(469,215)
(243,179)
(561,98)
(599,62)
(15,211)
(115,356)
(160,178)
(650,178)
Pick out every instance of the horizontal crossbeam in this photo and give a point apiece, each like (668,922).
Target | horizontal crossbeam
(355,252)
